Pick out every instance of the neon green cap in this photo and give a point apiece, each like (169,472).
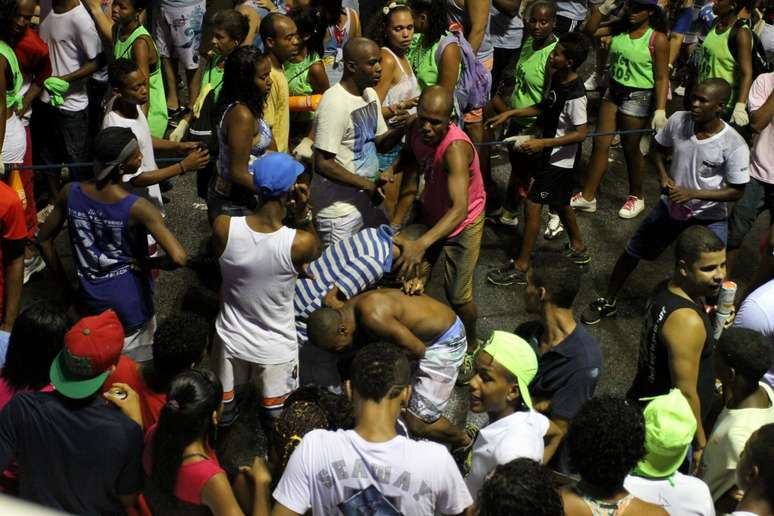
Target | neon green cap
(669,429)
(517,356)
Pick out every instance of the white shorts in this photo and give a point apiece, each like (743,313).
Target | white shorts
(178,32)
(275,382)
(138,345)
(434,380)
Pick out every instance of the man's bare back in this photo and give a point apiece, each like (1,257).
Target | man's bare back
(422,315)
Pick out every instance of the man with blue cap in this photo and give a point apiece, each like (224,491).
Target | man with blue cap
(260,258)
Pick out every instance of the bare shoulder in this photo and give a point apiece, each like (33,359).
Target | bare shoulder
(642,508)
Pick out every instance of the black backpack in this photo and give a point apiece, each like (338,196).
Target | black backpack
(760,63)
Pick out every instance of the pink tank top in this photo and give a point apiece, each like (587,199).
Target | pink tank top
(435,197)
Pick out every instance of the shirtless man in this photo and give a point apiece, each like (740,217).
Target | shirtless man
(428,331)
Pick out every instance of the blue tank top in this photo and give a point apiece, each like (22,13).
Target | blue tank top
(104,248)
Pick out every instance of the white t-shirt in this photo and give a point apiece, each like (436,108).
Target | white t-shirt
(72,40)
(709,164)
(725,445)
(762,164)
(573,114)
(757,314)
(347,126)
(141,130)
(330,468)
(519,435)
(681,495)
(574,9)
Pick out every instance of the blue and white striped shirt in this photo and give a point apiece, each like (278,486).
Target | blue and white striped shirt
(354,265)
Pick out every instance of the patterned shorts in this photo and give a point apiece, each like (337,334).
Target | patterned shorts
(434,380)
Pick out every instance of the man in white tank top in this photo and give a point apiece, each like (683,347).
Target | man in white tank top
(260,259)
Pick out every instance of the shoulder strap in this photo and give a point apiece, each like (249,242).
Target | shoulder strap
(449,38)
(652,45)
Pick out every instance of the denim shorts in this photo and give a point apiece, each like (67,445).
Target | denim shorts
(658,230)
(630,102)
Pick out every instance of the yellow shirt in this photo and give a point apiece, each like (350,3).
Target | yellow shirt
(277,113)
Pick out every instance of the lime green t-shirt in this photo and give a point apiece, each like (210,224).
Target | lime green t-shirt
(716,61)
(158,118)
(423,61)
(13,97)
(530,78)
(213,76)
(631,62)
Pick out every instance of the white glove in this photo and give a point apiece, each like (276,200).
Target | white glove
(518,140)
(739,117)
(659,120)
(179,132)
(303,151)
(607,7)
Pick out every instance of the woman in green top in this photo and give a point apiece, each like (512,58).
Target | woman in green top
(229,31)
(131,40)
(718,60)
(305,71)
(430,26)
(639,82)
(518,99)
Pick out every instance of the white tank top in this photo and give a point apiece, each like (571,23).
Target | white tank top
(256,322)
(406,88)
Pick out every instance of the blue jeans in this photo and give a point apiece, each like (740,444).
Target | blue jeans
(758,197)
(658,230)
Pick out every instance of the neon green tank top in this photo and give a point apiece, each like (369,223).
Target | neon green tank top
(423,61)
(157,111)
(530,78)
(213,76)
(716,61)
(631,63)
(13,97)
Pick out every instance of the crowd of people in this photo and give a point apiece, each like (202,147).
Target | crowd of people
(342,151)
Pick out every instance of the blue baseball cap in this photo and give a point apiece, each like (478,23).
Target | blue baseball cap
(275,173)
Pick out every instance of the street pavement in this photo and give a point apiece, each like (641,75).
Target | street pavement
(499,307)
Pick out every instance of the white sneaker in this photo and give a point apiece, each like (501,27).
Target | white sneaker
(44,213)
(595,81)
(554,227)
(632,207)
(508,219)
(579,203)
(32,266)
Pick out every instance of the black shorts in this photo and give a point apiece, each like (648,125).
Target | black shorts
(552,186)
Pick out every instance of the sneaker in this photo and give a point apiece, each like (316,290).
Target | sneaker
(468,367)
(508,218)
(597,310)
(577,202)
(495,214)
(554,227)
(32,266)
(507,275)
(44,213)
(632,207)
(579,257)
(595,81)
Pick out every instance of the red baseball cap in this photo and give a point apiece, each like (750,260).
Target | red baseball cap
(91,348)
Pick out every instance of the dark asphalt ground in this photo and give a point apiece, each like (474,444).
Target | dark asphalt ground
(499,307)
